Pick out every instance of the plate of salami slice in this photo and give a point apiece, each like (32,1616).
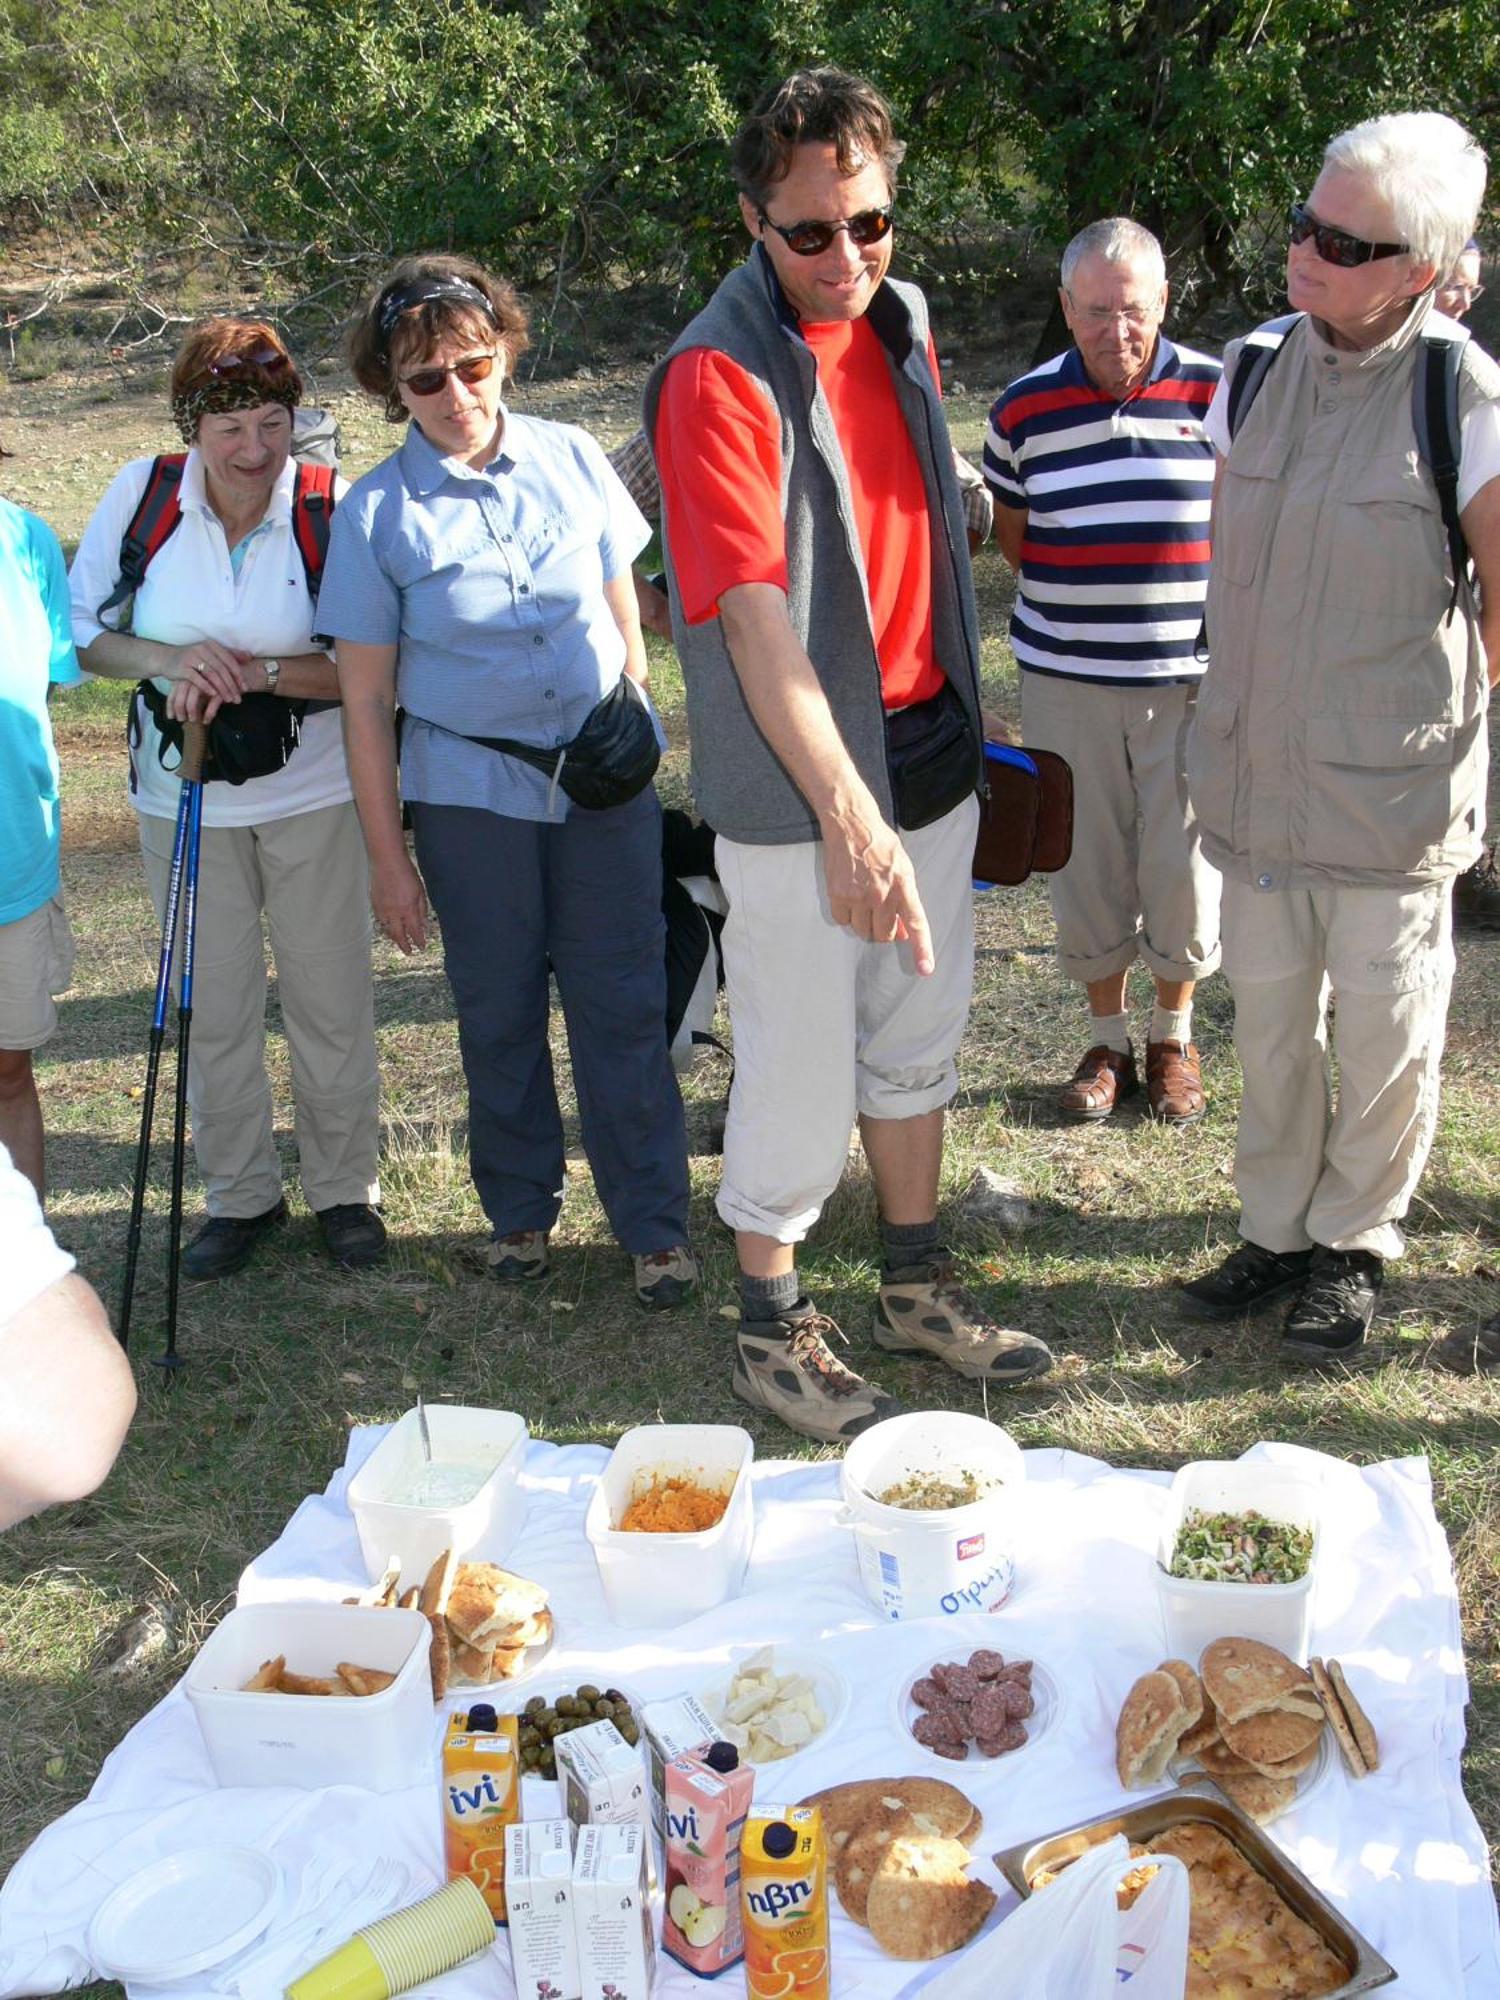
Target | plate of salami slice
(972,1707)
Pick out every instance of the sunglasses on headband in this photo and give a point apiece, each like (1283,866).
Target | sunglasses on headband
(473,368)
(1337,246)
(270,360)
(811,239)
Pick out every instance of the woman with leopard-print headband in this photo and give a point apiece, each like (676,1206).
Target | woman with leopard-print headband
(222,620)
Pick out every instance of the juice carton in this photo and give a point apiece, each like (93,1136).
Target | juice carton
(481,1798)
(539,1897)
(707,1799)
(784,1896)
(677,1727)
(603,1783)
(612,1913)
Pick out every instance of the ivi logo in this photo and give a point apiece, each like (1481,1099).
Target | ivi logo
(473,1798)
(778,1897)
(683,1826)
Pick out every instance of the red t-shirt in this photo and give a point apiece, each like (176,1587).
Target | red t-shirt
(718,453)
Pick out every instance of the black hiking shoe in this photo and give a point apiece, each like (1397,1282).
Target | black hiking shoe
(226,1243)
(1330,1320)
(354,1234)
(1248,1279)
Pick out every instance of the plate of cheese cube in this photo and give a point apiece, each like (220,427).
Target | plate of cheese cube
(775,1701)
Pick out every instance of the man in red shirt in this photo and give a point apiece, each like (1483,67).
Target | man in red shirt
(824,612)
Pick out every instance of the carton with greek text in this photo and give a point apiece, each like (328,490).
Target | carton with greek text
(539,1898)
(612,1913)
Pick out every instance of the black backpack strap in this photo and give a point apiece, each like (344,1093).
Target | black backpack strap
(154,520)
(1436,421)
(1257,352)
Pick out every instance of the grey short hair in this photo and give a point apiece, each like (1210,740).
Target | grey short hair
(1117,240)
(1430,171)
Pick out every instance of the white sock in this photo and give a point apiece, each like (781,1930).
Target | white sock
(1113,1030)
(1171,1024)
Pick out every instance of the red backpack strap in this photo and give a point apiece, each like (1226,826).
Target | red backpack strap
(156,516)
(312,519)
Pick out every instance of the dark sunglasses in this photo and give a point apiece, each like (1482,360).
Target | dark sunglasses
(811,239)
(473,368)
(269,360)
(1337,246)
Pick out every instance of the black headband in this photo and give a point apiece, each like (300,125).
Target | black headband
(426,291)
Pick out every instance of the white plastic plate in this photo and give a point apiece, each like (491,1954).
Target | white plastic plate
(830,1691)
(1046,1693)
(184,1913)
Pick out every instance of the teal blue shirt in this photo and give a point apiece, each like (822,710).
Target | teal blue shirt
(36,649)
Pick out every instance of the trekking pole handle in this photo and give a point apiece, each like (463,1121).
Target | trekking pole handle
(194,750)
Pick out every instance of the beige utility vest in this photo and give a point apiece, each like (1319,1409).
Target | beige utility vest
(1340,732)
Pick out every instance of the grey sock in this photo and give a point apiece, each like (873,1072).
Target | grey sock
(908,1243)
(764,1299)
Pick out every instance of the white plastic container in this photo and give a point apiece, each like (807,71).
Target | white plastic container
(665,1579)
(933,1563)
(382,1741)
(482,1527)
(1280,1614)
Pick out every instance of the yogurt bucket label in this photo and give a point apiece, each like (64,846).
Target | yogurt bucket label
(969,1547)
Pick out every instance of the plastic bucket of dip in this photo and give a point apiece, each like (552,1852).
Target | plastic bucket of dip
(923,1561)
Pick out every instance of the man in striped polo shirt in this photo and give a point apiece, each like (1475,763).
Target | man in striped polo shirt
(1103,476)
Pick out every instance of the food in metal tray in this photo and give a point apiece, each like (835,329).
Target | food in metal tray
(1240,1548)
(1243,1937)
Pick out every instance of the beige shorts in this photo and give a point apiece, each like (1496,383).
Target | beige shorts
(36,961)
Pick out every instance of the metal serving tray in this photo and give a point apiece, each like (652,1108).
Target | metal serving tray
(1367,1969)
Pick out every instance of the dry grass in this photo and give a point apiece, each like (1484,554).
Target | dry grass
(281,1362)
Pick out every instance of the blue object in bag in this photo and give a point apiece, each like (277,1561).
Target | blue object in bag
(1014,759)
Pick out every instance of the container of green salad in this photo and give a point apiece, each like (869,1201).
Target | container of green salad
(1238,1554)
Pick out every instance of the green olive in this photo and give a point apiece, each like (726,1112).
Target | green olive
(588,1692)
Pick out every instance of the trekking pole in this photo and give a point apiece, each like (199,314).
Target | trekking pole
(194,743)
(153,1061)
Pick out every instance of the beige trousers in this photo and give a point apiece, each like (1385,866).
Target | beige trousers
(308,874)
(1309,1167)
(1137,885)
(827,1025)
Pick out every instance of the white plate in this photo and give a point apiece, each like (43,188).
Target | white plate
(1311,1779)
(1046,1693)
(830,1691)
(184,1913)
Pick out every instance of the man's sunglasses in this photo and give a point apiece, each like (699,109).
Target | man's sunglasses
(811,239)
(1337,246)
(269,360)
(473,368)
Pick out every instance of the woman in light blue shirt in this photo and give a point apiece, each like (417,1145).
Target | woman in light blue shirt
(481,577)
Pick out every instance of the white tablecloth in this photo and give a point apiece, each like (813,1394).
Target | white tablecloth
(1400,1852)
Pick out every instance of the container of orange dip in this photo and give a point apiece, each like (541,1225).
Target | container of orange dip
(671,1521)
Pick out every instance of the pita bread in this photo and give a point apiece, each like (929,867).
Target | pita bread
(943,1806)
(921,1903)
(489,1603)
(1273,1737)
(1352,1736)
(1359,1722)
(1243,1677)
(860,1856)
(1151,1721)
(473,1663)
(1219,1760)
(1260,1798)
(1189,1687)
(267,1677)
(1202,1733)
(1290,1767)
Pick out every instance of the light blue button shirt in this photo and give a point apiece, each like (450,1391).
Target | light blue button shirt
(36,649)
(491,584)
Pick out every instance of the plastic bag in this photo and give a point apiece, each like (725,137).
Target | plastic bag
(1071,1941)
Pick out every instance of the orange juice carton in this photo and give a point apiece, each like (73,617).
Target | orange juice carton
(612,1913)
(707,1800)
(677,1727)
(539,1897)
(784,1898)
(481,1798)
(603,1783)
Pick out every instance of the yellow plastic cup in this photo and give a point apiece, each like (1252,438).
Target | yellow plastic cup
(404,1950)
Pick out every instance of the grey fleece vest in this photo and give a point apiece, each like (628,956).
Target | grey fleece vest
(740,786)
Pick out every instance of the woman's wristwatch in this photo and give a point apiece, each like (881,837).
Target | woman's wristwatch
(273,675)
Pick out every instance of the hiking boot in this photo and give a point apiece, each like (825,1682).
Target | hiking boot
(519,1258)
(923,1309)
(665,1277)
(785,1365)
(1102,1080)
(1248,1279)
(1174,1083)
(354,1234)
(227,1242)
(1330,1320)
(1468,1353)
(1476,896)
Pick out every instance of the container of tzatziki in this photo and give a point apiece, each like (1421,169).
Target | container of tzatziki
(468,1497)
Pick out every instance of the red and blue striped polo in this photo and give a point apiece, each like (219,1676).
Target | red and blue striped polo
(1114,565)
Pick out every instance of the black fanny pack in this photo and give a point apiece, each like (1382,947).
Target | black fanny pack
(253,737)
(932,754)
(612,757)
